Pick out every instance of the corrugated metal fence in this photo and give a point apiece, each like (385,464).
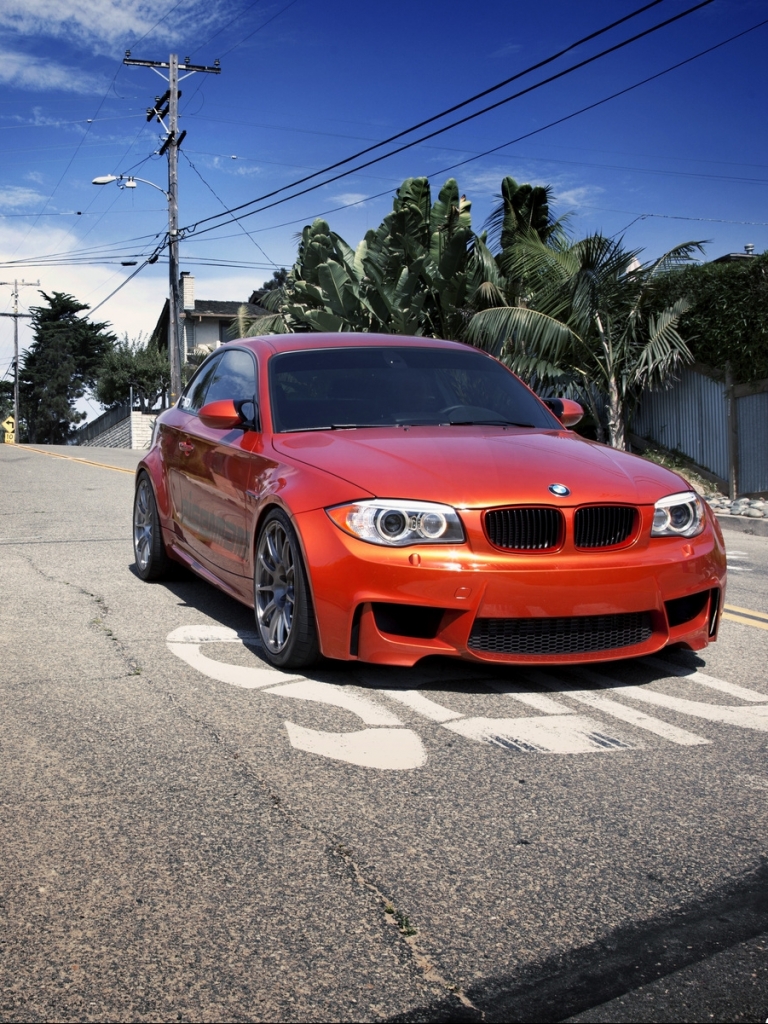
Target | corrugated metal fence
(720,426)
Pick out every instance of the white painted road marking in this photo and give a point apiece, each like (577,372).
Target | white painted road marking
(754,717)
(538,701)
(603,703)
(385,749)
(340,697)
(556,729)
(185,644)
(548,734)
(422,705)
(737,555)
(709,681)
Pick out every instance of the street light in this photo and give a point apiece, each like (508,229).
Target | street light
(174,332)
(130,182)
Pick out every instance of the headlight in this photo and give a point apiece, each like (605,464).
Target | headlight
(678,515)
(399,523)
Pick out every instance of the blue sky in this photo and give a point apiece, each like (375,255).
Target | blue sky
(306,84)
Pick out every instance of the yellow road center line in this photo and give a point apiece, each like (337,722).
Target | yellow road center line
(72,458)
(745,611)
(744,621)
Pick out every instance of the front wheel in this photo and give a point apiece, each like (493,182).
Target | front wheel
(152,561)
(282,601)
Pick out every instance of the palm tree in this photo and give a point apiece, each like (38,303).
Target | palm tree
(586,322)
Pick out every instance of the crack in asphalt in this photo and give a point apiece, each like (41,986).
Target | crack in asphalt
(393,917)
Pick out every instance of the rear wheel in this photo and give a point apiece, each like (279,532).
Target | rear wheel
(282,600)
(152,561)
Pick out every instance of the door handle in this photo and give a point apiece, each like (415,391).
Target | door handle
(187,447)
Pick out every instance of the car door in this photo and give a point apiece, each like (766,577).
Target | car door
(176,439)
(217,472)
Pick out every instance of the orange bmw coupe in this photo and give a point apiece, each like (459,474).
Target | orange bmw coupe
(384,498)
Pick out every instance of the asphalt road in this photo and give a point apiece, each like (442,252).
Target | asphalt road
(187,835)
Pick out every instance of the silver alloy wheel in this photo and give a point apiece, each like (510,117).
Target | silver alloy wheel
(274,586)
(143,524)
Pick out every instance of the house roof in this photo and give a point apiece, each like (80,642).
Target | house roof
(212,308)
(205,309)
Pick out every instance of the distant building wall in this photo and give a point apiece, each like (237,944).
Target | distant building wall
(207,333)
(118,428)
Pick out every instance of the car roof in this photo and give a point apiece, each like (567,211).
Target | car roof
(299,342)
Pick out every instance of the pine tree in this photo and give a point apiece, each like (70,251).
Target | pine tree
(58,368)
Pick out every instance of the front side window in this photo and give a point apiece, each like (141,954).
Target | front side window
(193,397)
(235,377)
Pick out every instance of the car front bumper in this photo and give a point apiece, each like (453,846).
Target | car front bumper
(356,585)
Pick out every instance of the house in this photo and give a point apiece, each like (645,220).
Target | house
(205,323)
(736,257)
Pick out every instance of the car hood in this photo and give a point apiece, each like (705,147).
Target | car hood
(480,467)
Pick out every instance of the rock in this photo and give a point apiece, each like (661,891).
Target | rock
(754,513)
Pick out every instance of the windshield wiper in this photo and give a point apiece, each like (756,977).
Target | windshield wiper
(485,423)
(334,426)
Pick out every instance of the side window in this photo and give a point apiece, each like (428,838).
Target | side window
(235,377)
(193,398)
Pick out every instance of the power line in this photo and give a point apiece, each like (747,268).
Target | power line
(468,117)
(343,206)
(606,99)
(158,22)
(504,145)
(260,28)
(238,43)
(71,160)
(60,124)
(211,190)
(130,277)
(226,25)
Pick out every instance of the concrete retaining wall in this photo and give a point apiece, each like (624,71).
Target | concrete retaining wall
(134,431)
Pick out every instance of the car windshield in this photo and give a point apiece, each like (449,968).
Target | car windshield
(340,388)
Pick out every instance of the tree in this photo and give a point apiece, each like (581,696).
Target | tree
(409,276)
(522,209)
(728,316)
(277,280)
(59,367)
(6,399)
(137,367)
(589,323)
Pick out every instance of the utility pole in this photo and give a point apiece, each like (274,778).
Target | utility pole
(167,106)
(16,314)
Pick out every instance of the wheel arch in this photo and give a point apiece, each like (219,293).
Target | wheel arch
(272,503)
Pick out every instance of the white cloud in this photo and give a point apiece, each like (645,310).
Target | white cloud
(103,25)
(133,310)
(574,198)
(35,176)
(350,198)
(14,197)
(42,75)
(507,51)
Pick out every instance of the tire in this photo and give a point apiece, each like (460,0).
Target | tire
(282,601)
(152,561)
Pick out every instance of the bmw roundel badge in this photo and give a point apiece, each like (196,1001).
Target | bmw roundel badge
(559,489)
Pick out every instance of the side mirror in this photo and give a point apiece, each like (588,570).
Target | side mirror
(228,413)
(221,415)
(567,411)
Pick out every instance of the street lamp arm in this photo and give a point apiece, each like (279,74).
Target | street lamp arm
(130,182)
